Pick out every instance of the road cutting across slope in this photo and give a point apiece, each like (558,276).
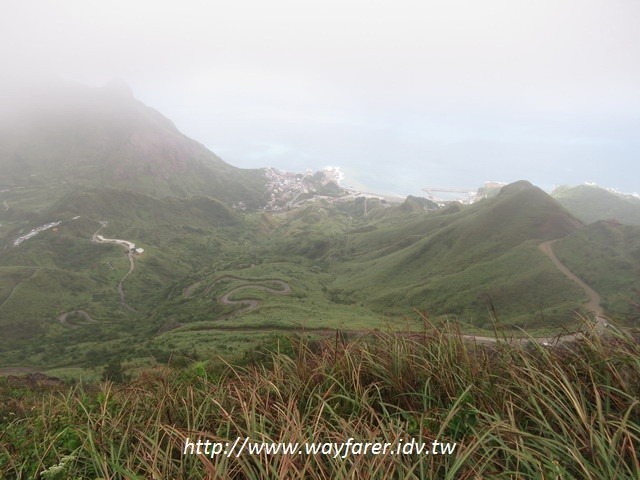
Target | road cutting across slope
(129,246)
(250,303)
(63,318)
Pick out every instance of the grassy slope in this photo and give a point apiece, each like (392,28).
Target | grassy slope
(512,413)
(185,241)
(347,270)
(60,271)
(130,208)
(453,261)
(591,204)
(607,256)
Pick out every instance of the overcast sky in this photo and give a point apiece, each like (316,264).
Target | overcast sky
(400,95)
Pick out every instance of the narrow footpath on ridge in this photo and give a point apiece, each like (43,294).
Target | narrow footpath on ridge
(36,270)
(593,304)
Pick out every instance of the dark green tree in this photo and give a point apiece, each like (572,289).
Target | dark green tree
(113,372)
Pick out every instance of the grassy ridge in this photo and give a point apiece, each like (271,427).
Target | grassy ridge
(591,203)
(461,260)
(514,413)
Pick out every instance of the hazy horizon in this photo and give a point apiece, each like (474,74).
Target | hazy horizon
(400,95)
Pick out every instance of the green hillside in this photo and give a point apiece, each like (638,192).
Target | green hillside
(216,278)
(61,270)
(591,203)
(131,208)
(104,137)
(463,260)
(606,255)
(479,264)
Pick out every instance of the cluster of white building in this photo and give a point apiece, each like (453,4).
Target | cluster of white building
(284,187)
(34,232)
(334,174)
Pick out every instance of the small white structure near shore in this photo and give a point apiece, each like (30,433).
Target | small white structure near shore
(139,250)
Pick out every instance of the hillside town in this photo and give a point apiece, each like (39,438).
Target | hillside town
(285,189)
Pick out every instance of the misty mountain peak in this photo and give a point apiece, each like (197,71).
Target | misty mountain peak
(72,134)
(118,87)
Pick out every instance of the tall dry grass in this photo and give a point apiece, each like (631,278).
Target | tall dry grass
(516,411)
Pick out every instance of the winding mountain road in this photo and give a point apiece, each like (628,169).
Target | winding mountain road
(592,305)
(62,318)
(252,303)
(129,246)
(249,303)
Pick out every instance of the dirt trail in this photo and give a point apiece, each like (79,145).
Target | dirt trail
(17,285)
(62,318)
(593,304)
(132,267)
(129,246)
(250,303)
